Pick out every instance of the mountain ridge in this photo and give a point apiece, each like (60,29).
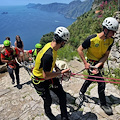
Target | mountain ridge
(72,10)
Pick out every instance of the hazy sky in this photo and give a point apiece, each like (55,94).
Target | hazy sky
(25,2)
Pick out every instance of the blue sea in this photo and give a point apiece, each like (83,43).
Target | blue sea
(30,24)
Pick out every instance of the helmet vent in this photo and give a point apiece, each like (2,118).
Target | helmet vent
(111,24)
(60,30)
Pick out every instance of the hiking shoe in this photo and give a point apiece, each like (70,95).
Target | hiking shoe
(107,109)
(80,100)
(19,86)
(13,82)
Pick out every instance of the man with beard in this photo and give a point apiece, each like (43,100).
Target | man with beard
(44,79)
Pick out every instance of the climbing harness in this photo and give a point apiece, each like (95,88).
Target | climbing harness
(12,66)
(36,80)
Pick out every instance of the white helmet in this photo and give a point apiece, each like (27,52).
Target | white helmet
(63,33)
(62,65)
(111,23)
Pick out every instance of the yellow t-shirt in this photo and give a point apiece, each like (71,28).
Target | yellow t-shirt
(96,47)
(45,61)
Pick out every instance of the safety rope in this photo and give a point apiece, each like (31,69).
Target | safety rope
(27,66)
(73,75)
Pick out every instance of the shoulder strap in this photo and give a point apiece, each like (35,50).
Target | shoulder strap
(33,50)
(3,51)
(14,51)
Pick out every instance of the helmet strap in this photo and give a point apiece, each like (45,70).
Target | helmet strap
(105,33)
(62,45)
(58,39)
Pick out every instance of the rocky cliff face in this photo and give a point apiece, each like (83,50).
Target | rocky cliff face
(26,104)
(114,57)
(76,8)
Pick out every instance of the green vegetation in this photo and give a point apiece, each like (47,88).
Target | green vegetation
(46,38)
(85,25)
(89,89)
(114,74)
(90,22)
(67,53)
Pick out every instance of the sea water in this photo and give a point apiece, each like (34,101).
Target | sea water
(30,24)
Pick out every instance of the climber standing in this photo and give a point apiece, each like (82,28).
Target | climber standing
(44,79)
(8,55)
(98,48)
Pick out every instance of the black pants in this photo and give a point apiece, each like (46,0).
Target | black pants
(10,70)
(43,89)
(101,86)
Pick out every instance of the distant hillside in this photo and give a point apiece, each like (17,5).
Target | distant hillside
(76,8)
(85,25)
(72,10)
(90,22)
(53,7)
